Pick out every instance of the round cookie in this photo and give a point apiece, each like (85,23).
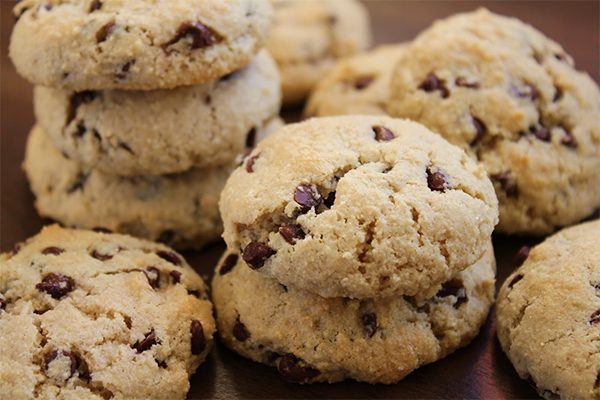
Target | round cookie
(548,313)
(163,131)
(314,339)
(512,99)
(356,85)
(113,44)
(358,206)
(180,210)
(308,36)
(96,316)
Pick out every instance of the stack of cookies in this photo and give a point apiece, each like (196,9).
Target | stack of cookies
(358,247)
(143,111)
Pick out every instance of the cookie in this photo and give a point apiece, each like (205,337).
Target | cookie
(111,44)
(513,100)
(96,316)
(548,313)
(358,206)
(180,209)
(356,85)
(163,131)
(314,339)
(309,36)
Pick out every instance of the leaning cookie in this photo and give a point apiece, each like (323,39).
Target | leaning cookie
(162,131)
(308,36)
(358,206)
(94,315)
(548,315)
(180,209)
(356,85)
(133,44)
(313,339)
(513,100)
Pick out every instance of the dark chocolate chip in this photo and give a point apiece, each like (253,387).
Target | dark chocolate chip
(436,181)
(480,130)
(149,341)
(541,132)
(522,255)
(464,83)
(363,81)
(256,253)
(382,134)
(176,276)
(514,280)
(54,354)
(124,70)
(56,285)
(306,197)
(99,256)
(208,99)
(291,370)
(432,83)
(454,287)
(201,36)
(101,229)
(240,332)
(251,138)
(52,250)
(595,317)
(228,264)
(369,321)
(166,236)
(250,163)
(96,5)
(506,183)
(169,256)
(153,276)
(77,99)
(569,140)
(198,340)
(292,233)
(104,31)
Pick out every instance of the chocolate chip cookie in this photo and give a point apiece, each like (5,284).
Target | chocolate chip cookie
(548,315)
(358,206)
(356,85)
(512,99)
(313,339)
(94,315)
(308,36)
(112,44)
(162,131)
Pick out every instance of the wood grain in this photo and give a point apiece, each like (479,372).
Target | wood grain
(480,370)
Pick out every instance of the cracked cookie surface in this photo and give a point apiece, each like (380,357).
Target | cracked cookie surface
(112,44)
(513,100)
(358,206)
(314,339)
(548,315)
(308,36)
(99,316)
(356,85)
(180,210)
(162,131)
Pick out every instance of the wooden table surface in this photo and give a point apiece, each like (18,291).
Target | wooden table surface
(481,370)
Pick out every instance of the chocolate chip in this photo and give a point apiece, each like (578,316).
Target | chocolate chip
(201,36)
(595,317)
(161,364)
(436,181)
(540,132)
(176,276)
(208,99)
(99,256)
(369,321)
(103,32)
(52,250)
(198,341)
(382,134)
(124,70)
(101,229)
(292,233)
(454,287)
(569,140)
(251,138)
(166,236)
(240,332)
(56,285)
(169,256)
(77,99)
(506,183)
(307,198)
(255,254)
(291,370)
(522,255)
(363,81)
(96,5)
(250,163)
(480,130)
(54,354)
(432,83)
(153,276)
(2,304)
(149,341)
(228,264)
(464,83)
(514,280)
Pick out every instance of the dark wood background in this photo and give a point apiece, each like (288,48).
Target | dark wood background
(480,370)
